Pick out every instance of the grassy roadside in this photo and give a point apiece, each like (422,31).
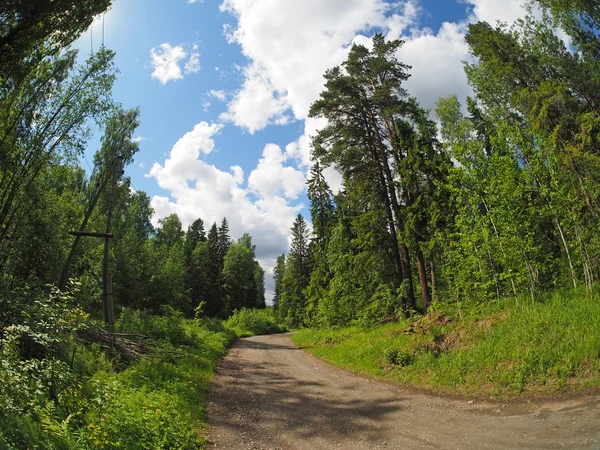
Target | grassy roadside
(109,401)
(552,346)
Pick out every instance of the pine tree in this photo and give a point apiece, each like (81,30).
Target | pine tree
(196,271)
(366,106)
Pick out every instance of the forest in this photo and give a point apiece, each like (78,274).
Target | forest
(458,210)
(499,201)
(52,293)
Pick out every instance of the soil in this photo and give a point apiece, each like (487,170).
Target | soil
(268,394)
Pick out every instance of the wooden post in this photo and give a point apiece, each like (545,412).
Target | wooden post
(64,274)
(109,300)
(107,278)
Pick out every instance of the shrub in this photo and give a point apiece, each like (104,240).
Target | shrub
(251,322)
(397,357)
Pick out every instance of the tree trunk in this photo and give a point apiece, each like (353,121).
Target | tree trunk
(423,279)
(433,278)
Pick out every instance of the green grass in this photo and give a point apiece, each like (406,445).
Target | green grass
(552,346)
(107,401)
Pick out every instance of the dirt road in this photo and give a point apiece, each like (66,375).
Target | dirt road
(268,394)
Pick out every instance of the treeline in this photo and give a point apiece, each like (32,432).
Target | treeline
(501,201)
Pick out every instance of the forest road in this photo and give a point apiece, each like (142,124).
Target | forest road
(268,394)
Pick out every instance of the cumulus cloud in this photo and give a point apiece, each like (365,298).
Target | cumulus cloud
(165,61)
(271,178)
(437,64)
(200,190)
(193,64)
(493,11)
(257,104)
(289,45)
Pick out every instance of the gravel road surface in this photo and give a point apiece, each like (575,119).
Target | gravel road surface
(268,394)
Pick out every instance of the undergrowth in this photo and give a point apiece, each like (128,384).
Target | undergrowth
(250,322)
(547,347)
(59,393)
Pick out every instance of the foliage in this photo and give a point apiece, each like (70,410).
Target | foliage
(73,397)
(55,391)
(294,280)
(502,203)
(251,322)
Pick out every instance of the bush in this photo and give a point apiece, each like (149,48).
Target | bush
(58,394)
(397,357)
(251,322)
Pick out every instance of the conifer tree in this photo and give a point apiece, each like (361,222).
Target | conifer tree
(278,273)
(296,275)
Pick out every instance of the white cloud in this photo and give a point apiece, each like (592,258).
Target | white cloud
(290,45)
(271,178)
(200,190)
(437,64)
(219,95)
(193,64)
(493,11)
(257,104)
(138,139)
(165,61)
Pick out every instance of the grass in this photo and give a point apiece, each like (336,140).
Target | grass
(552,346)
(105,401)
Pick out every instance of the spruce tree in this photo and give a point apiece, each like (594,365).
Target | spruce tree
(296,275)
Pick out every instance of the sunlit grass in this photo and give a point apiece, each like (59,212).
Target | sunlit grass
(548,347)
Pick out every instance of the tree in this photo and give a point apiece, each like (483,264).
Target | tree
(243,279)
(170,232)
(196,271)
(44,122)
(195,234)
(546,97)
(322,215)
(214,300)
(132,261)
(259,282)
(167,283)
(370,138)
(224,242)
(33,29)
(278,273)
(296,274)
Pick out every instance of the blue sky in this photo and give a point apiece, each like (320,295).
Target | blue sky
(224,88)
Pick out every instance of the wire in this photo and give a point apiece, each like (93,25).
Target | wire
(103,29)
(88,164)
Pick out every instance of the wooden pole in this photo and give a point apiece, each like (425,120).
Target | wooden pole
(107,278)
(64,274)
